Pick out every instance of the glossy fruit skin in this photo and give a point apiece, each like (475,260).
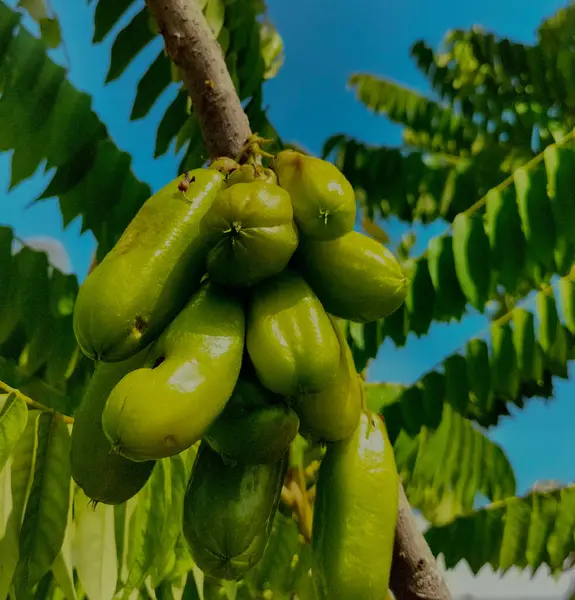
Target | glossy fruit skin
(229,511)
(290,339)
(247,173)
(159,411)
(323,199)
(251,234)
(103,475)
(256,426)
(355,514)
(333,413)
(149,275)
(355,277)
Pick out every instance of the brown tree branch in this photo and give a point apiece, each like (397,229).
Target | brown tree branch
(191,45)
(225,128)
(414,572)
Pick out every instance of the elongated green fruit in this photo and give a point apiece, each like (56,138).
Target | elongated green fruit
(333,413)
(149,275)
(251,233)
(256,426)
(355,514)
(167,405)
(323,199)
(355,277)
(290,339)
(104,475)
(229,511)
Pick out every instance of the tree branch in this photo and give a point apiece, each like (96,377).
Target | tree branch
(414,572)
(225,128)
(191,45)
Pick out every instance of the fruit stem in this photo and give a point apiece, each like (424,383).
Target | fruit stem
(362,393)
(296,496)
(33,404)
(252,150)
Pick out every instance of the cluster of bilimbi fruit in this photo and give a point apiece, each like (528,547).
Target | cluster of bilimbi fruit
(214,320)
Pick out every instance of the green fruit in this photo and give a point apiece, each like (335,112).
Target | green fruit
(149,275)
(256,426)
(323,199)
(333,413)
(250,231)
(290,339)
(229,511)
(224,165)
(103,475)
(355,277)
(167,405)
(355,514)
(247,173)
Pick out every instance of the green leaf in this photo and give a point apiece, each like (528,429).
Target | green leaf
(524,344)
(557,359)
(47,121)
(396,326)
(63,568)
(33,284)
(560,166)
(567,296)
(22,474)
(411,402)
(215,12)
(443,130)
(176,482)
(503,225)
(479,374)
(433,387)
(456,388)
(548,319)
(536,214)
(472,258)
(443,471)
(449,299)
(191,591)
(108,13)
(95,547)
(13,419)
(50,31)
(505,374)
(530,531)
(128,44)
(5,496)
(153,523)
(155,80)
(420,299)
(272,49)
(171,123)
(36,8)
(46,513)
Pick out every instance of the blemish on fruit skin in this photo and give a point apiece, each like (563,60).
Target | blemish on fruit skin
(140,325)
(158,362)
(171,441)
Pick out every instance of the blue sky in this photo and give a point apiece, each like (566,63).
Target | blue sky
(325,43)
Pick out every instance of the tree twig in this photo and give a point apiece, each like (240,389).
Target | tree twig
(414,571)
(33,404)
(225,129)
(193,48)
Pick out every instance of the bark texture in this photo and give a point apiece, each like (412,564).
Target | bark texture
(414,571)
(191,45)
